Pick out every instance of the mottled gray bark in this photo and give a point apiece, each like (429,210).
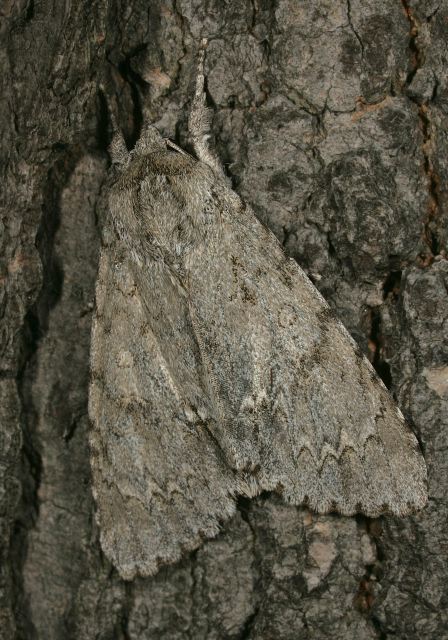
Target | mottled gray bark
(331,118)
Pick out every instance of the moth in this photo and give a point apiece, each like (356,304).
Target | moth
(218,370)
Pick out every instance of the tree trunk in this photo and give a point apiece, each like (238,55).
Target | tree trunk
(331,119)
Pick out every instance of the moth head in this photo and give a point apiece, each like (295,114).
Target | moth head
(150,141)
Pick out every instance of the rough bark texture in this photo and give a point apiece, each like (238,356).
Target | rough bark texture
(331,118)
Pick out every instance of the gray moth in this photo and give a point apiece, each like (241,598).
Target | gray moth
(218,370)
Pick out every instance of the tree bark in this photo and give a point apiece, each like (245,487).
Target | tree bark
(331,118)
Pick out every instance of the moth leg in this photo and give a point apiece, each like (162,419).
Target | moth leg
(200,118)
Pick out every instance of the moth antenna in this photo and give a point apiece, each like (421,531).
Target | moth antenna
(200,118)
